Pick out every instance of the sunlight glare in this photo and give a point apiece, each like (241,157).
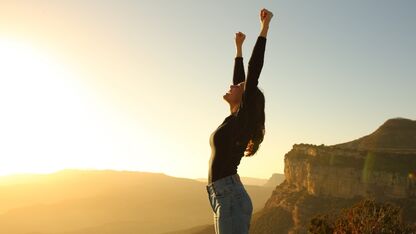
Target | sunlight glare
(48,121)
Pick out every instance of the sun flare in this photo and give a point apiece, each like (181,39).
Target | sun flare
(35,96)
(47,120)
(50,120)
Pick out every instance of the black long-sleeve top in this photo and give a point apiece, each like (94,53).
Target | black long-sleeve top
(229,141)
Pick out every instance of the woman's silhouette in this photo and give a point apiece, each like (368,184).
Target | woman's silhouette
(240,134)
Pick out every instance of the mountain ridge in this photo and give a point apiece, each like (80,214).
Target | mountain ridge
(85,201)
(397,134)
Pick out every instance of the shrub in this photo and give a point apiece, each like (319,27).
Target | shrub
(367,216)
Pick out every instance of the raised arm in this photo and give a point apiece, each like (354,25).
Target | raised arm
(255,64)
(239,73)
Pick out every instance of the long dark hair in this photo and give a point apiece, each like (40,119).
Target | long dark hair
(256,129)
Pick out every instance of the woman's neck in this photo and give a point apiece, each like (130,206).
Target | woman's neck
(234,109)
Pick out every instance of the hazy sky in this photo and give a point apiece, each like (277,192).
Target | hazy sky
(138,85)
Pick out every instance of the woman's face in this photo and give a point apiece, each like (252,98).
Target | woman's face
(234,95)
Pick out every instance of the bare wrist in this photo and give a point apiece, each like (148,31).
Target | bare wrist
(264,27)
(264,30)
(239,53)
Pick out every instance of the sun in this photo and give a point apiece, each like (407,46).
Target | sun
(45,116)
(50,120)
(33,93)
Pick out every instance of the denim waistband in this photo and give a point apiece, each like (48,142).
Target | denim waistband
(225,181)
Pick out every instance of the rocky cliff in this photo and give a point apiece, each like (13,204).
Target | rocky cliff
(324,179)
(330,171)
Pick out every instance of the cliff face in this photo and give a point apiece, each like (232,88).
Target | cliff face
(325,179)
(329,171)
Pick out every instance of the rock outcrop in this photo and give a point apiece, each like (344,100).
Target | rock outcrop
(325,179)
(341,173)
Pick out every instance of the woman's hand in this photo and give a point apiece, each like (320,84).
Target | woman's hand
(239,38)
(265,17)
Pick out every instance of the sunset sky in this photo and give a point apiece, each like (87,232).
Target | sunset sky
(138,85)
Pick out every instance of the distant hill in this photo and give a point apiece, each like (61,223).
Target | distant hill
(397,134)
(275,180)
(67,184)
(111,202)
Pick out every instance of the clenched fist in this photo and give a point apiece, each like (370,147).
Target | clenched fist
(239,38)
(265,16)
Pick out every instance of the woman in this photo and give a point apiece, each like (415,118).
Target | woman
(240,134)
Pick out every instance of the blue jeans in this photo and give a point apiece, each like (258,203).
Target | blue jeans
(231,205)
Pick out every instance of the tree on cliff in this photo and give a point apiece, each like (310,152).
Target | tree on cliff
(367,216)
